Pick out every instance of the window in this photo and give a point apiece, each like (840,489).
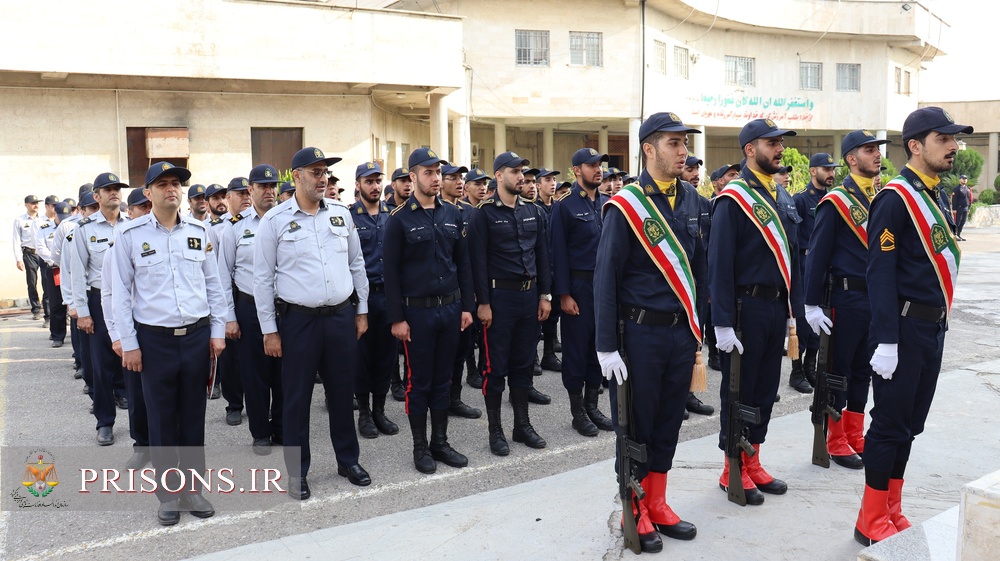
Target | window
(681,59)
(660,52)
(810,75)
(147,145)
(531,47)
(274,146)
(585,48)
(906,82)
(848,77)
(740,71)
(899,80)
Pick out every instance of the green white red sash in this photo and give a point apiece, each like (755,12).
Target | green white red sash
(851,210)
(935,234)
(662,246)
(765,218)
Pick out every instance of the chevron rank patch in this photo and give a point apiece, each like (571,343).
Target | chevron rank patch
(887,242)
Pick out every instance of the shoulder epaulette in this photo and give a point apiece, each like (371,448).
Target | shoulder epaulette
(395,210)
(215,221)
(236,218)
(85,221)
(564,195)
(69,237)
(488,201)
(135,223)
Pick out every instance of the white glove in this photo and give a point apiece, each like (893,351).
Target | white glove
(884,360)
(817,320)
(725,340)
(612,366)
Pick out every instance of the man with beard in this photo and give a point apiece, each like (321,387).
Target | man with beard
(692,170)
(836,263)
(529,194)
(475,192)
(576,232)
(401,186)
(913,264)
(197,203)
(377,347)
(429,303)
(822,168)
(656,318)
(215,195)
(754,268)
(546,188)
(93,237)
(260,375)
(961,199)
(720,178)
(308,263)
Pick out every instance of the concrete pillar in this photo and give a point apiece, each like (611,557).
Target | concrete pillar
(499,141)
(634,161)
(548,148)
(462,137)
(697,145)
(439,125)
(602,140)
(991,162)
(881,135)
(837,139)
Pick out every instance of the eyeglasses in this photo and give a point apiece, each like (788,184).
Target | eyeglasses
(317,173)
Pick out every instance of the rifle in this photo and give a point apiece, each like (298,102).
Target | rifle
(739,416)
(826,384)
(630,453)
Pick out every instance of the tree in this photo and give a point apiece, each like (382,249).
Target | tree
(799,176)
(967,162)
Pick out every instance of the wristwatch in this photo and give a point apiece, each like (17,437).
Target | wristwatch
(546,297)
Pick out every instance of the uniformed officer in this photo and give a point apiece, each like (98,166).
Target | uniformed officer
(754,264)
(576,232)
(197,203)
(94,236)
(913,261)
(961,199)
(215,194)
(26,251)
(229,378)
(54,242)
(260,375)
(781,177)
(377,347)
(475,186)
(822,169)
(286,190)
(308,256)
(720,178)
(835,266)
(170,313)
(692,170)
(546,190)
(401,187)
(81,340)
(475,193)
(510,265)
(562,189)
(46,233)
(656,317)
(333,189)
(530,194)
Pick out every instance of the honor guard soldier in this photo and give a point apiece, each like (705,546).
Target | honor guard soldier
(649,284)
(286,190)
(94,236)
(452,188)
(26,239)
(913,261)
(530,195)
(822,169)
(835,266)
(511,270)
(308,262)
(171,315)
(377,347)
(692,170)
(229,380)
(260,374)
(197,203)
(545,199)
(754,268)
(428,282)
(576,232)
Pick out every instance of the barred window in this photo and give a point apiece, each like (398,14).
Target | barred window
(531,47)
(660,54)
(848,77)
(906,82)
(810,75)
(740,71)
(899,80)
(585,48)
(681,59)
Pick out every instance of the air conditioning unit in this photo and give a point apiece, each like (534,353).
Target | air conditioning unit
(475,150)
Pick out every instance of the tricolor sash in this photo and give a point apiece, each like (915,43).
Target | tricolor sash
(851,210)
(935,234)
(763,215)
(662,246)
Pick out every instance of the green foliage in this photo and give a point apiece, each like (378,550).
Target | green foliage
(987,197)
(974,207)
(799,177)
(968,162)
(286,175)
(996,183)
(888,174)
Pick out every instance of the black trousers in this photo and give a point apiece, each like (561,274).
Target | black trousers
(55,307)
(32,262)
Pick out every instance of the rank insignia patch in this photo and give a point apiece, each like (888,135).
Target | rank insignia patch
(293,226)
(858,215)
(194,243)
(887,242)
(654,233)
(337,220)
(762,213)
(939,238)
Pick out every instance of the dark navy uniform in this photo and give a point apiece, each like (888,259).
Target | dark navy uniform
(805,206)
(465,339)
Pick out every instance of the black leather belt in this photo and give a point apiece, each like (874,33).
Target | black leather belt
(761,291)
(919,311)
(240,295)
(94,292)
(521,285)
(582,275)
(430,302)
(317,311)
(851,283)
(648,317)
(28,250)
(176,331)
(376,288)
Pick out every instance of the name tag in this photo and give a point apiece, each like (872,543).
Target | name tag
(148,253)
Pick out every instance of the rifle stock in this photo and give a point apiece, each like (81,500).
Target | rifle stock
(827,383)
(739,416)
(630,453)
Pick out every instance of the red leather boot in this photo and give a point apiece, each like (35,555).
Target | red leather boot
(873,519)
(754,496)
(854,429)
(661,515)
(760,477)
(839,447)
(895,503)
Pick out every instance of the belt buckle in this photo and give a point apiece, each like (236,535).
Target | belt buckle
(440,301)
(845,284)
(525,285)
(180,332)
(642,314)
(906,308)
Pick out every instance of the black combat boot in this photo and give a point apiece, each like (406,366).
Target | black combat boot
(440,449)
(581,422)
(384,425)
(458,408)
(473,376)
(523,431)
(366,427)
(549,359)
(396,383)
(498,443)
(537,366)
(809,365)
(797,379)
(591,395)
(422,458)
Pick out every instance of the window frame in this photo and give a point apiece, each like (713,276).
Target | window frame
(585,50)
(817,67)
(532,49)
(853,75)
(682,54)
(737,76)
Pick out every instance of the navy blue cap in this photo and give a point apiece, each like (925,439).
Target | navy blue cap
(400,173)
(366,169)
(492,185)
(214,189)
(692,161)
(85,188)
(87,200)
(109,180)
(476,174)
(70,202)
(607,174)
(264,173)
(854,139)
(784,169)
(543,172)
(761,128)
(963,176)
(196,190)
(508,159)
(530,171)
(667,122)
(388,190)
(588,156)
(934,119)
(631,179)
(137,197)
(448,169)
(31,199)
(238,184)
(286,187)
(822,160)
(63,210)
(423,157)
(51,200)
(565,185)
(715,175)
(159,169)
(618,172)
(311,155)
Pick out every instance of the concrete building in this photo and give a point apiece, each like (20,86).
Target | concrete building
(985,117)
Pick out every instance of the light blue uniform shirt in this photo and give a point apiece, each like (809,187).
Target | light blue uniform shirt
(93,236)
(166,278)
(236,254)
(307,260)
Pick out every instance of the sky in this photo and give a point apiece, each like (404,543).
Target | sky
(971,69)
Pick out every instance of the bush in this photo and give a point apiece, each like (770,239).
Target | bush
(996,182)
(987,197)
